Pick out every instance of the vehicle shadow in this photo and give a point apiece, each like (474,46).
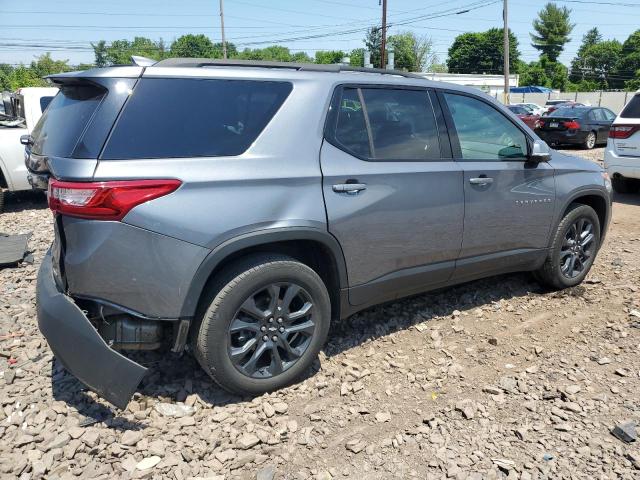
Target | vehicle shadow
(69,389)
(388,318)
(626,198)
(173,378)
(27,200)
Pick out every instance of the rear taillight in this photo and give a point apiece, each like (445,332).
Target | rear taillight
(105,200)
(623,131)
(572,125)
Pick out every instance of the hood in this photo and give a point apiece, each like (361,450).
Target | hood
(562,161)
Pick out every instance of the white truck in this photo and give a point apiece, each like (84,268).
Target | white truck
(19,113)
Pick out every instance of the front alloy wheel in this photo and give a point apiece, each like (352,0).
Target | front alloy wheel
(577,248)
(271,330)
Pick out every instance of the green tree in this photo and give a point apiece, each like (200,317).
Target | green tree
(119,52)
(412,53)
(356,57)
(373,43)
(274,53)
(195,46)
(628,65)
(553,28)
(232,50)
(45,65)
(482,52)
(329,56)
(545,73)
(601,59)
(100,53)
(578,66)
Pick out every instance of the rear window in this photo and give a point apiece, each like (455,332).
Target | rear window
(63,123)
(44,103)
(194,117)
(632,110)
(567,112)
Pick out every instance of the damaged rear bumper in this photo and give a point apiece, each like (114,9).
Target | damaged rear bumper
(79,347)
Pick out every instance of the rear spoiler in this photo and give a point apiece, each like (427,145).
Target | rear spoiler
(107,72)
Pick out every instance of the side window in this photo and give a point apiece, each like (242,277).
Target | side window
(609,115)
(351,129)
(598,115)
(403,125)
(483,132)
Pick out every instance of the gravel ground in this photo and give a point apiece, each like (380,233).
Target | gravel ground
(493,379)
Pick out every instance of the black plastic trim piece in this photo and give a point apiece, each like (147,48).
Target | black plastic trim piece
(254,239)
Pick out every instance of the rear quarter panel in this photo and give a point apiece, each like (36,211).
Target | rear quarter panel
(275,183)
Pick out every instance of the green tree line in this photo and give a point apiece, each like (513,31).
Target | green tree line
(598,64)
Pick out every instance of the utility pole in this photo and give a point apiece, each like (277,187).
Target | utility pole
(224,43)
(383,44)
(506,52)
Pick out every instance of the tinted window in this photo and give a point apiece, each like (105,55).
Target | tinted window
(632,110)
(194,117)
(44,103)
(403,125)
(483,132)
(518,110)
(609,115)
(351,129)
(568,112)
(63,123)
(598,115)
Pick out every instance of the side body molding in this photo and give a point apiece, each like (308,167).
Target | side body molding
(254,239)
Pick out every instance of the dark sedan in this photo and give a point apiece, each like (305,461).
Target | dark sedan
(576,125)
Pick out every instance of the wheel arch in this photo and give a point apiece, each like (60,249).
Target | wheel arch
(596,200)
(315,248)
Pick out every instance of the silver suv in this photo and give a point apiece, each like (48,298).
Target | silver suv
(236,209)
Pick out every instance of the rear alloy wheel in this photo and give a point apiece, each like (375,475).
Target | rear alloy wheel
(574,248)
(265,325)
(590,141)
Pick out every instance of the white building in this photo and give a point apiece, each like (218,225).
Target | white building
(491,84)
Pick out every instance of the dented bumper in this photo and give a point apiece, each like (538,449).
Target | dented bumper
(79,347)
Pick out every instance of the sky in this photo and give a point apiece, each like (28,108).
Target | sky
(66,28)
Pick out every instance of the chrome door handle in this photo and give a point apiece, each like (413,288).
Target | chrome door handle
(350,188)
(481,181)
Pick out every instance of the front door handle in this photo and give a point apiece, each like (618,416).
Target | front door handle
(350,188)
(481,181)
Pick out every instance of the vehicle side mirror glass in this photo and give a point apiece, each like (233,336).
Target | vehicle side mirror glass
(540,152)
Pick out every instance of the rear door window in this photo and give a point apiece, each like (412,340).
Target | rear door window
(391,125)
(483,132)
(63,123)
(194,117)
(632,110)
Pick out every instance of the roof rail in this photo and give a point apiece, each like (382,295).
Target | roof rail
(304,67)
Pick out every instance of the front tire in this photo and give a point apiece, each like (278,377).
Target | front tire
(573,250)
(265,324)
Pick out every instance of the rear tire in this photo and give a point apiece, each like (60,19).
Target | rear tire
(267,319)
(590,141)
(577,237)
(623,185)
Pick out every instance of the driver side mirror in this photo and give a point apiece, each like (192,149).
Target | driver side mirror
(540,152)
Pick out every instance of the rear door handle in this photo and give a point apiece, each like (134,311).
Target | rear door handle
(350,188)
(481,181)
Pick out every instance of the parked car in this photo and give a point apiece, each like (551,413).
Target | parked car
(525,115)
(576,125)
(552,105)
(307,194)
(533,108)
(20,113)
(622,155)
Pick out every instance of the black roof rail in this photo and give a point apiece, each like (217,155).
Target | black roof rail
(303,67)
